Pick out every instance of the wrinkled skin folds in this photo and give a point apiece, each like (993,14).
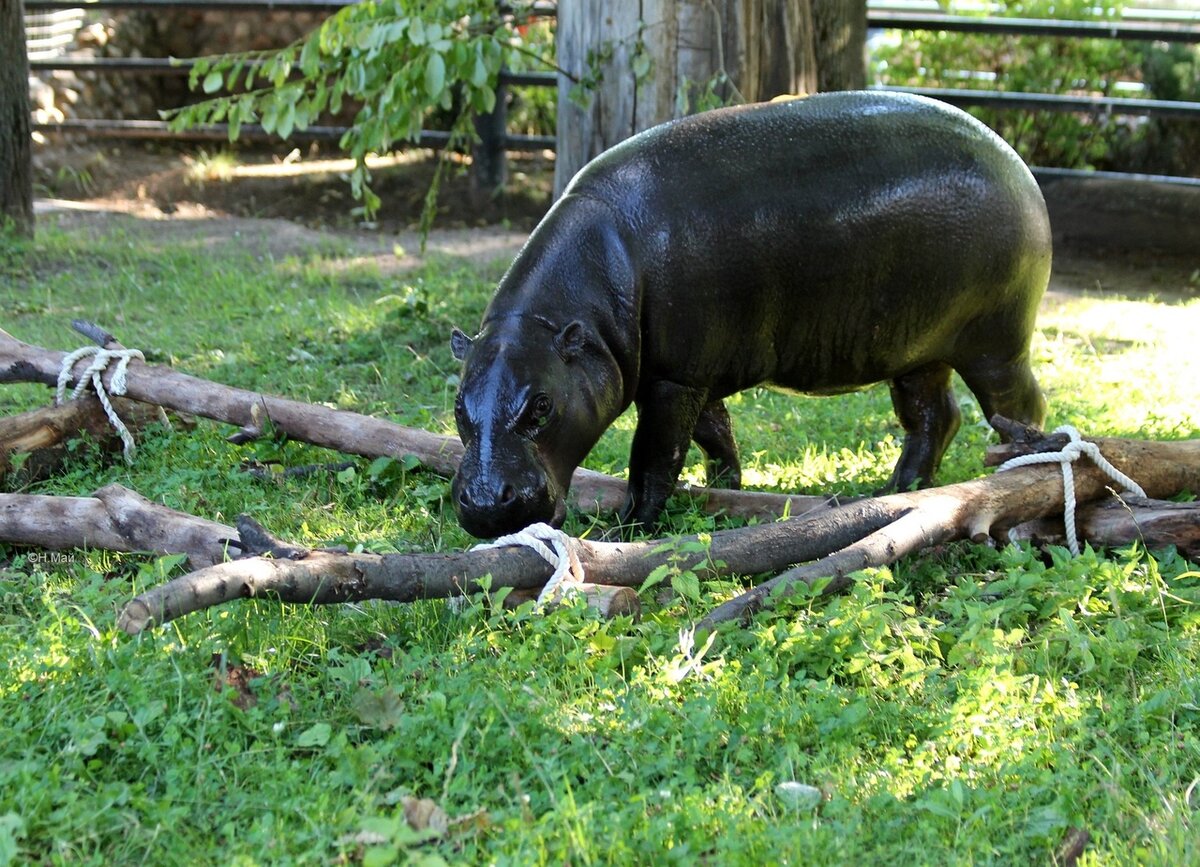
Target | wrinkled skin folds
(818,246)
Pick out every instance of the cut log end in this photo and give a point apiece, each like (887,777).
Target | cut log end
(606,600)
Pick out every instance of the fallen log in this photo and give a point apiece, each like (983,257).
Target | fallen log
(352,433)
(116,519)
(41,434)
(605,599)
(840,541)
(1111,524)
(982,509)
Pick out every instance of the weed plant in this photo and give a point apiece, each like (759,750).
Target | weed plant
(969,705)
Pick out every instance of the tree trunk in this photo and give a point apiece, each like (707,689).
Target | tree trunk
(16,150)
(840,43)
(631,64)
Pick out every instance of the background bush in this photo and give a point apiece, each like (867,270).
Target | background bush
(1065,66)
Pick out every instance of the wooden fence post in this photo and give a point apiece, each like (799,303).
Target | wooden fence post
(16,145)
(489,160)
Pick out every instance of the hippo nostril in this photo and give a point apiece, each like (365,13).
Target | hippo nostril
(507,495)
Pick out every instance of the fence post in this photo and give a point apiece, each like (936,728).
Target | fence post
(489,161)
(16,146)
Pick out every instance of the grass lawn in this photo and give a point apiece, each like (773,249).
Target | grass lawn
(971,705)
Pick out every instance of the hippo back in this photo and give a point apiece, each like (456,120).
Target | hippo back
(862,234)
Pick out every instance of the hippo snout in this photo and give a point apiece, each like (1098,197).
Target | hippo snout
(493,505)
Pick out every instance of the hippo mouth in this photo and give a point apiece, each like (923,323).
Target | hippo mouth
(508,512)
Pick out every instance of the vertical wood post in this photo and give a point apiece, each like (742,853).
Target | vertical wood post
(763,48)
(16,147)
(489,159)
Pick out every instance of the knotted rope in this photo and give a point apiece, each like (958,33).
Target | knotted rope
(93,376)
(1069,454)
(564,558)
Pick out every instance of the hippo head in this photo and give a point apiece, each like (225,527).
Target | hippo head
(535,396)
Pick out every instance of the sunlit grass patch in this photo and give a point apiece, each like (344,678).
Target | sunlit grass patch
(965,705)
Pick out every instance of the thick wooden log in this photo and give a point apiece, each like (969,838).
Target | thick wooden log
(41,434)
(650,61)
(321,578)
(606,600)
(356,434)
(1156,524)
(116,519)
(979,509)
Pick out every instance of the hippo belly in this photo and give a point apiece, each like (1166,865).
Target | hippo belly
(819,246)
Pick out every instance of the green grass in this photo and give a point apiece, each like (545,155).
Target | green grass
(967,706)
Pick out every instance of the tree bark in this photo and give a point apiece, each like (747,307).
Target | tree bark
(16,148)
(748,50)
(116,519)
(356,434)
(840,44)
(1110,524)
(42,434)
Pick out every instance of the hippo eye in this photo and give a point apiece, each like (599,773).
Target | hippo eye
(539,410)
(460,417)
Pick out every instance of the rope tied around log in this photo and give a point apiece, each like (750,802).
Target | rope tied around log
(93,376)
(555,547)
(1070,453)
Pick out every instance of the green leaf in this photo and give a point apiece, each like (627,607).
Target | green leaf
(213,82)
(435,76)
(687,585)
(641,66)
(380,856)
(316,735)
(287,122)
(416,32)
(479,74)
(656,576)
(12,828)
(382,710)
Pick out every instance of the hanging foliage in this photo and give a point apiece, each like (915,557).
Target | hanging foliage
(392,62)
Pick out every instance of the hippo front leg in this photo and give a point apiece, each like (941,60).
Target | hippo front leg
(667,416)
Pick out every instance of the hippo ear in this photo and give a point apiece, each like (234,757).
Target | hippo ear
(459,344)
(569,342)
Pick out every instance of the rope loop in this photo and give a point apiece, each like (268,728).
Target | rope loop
(93,376)
(555,547)
(1070,453)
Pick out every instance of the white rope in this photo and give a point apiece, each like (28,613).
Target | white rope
(93,376)
(567,568)
(1071,453)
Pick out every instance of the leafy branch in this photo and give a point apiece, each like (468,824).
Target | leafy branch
(395,62)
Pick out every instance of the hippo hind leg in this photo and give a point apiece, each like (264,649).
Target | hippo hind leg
(714,434)
(1006,388)
(929,414)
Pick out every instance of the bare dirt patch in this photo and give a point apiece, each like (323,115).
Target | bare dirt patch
(288,206)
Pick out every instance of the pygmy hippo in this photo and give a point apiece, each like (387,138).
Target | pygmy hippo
(818,245)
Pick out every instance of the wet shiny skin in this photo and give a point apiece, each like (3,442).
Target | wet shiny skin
(819,246)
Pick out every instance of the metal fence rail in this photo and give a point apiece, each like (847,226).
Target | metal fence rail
(1058,102)
(1135,30)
